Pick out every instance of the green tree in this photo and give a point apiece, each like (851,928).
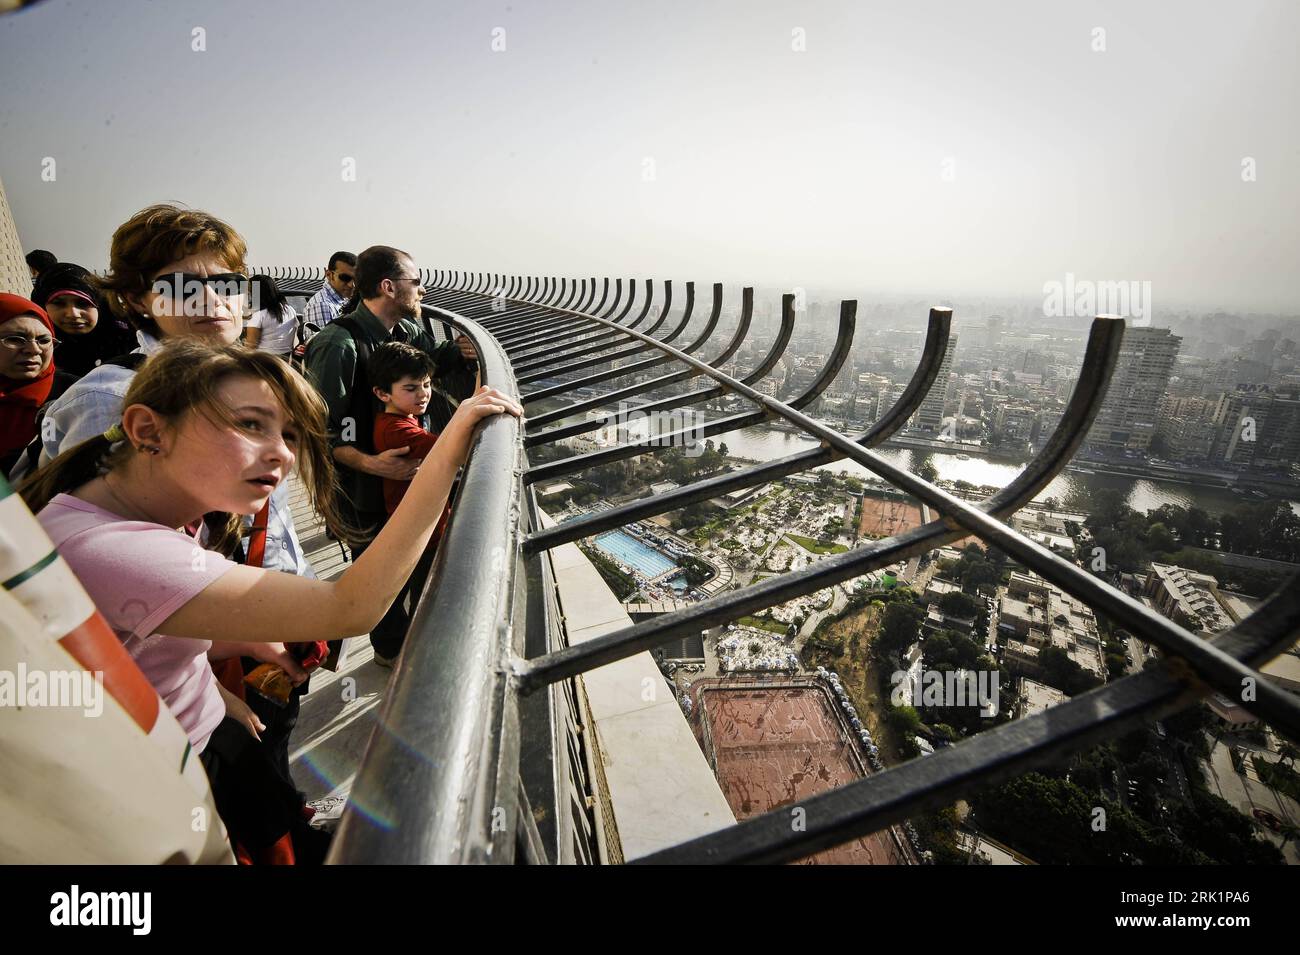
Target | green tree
(958,604)
(1160,538)
(900,629)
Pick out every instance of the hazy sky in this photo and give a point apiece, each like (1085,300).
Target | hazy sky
(683,140)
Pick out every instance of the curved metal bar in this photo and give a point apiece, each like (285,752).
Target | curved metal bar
(574,319)
(627,308)
(580,291)
(618,297)
(588,293)
(769,362)
(609,356)
(923,377)
(1103,346)
(869,805)
(604,295)
(768,408)
(445,744)
(1219,670)
(523,367)
(661,316)
(536,437)
(534,327)
(737,339)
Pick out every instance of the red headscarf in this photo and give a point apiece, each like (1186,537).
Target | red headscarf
(20,399)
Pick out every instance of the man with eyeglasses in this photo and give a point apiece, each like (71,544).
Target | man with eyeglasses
(388,285)
(325,306)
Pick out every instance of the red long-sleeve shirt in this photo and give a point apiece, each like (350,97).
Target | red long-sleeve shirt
(400,431)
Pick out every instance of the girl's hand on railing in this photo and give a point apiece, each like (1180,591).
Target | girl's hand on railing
(485,403)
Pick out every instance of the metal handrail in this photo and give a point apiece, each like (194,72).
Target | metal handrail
(448,730)
(441,780)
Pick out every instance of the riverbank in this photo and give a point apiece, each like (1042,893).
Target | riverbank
(1143,490)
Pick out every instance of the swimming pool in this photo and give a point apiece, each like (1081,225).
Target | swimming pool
(633,553)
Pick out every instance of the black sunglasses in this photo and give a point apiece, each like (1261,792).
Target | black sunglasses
(178,285)
(345,279)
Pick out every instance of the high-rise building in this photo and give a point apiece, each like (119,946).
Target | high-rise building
(1257,427)
(1185,427)
(993,332)
(929,416)
(1127,419)
(14,275)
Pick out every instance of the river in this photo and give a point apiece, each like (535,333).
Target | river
(1143,494)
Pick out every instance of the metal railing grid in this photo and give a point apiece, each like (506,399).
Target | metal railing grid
(441,782)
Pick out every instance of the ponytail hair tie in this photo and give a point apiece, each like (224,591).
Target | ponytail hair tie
(115,434)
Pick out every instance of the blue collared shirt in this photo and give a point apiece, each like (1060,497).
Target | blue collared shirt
(323,307)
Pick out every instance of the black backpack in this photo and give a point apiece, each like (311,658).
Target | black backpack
(363,406)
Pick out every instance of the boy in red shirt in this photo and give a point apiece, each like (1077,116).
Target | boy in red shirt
(401,376)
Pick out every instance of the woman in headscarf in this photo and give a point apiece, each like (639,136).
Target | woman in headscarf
(27,378)
(88,334)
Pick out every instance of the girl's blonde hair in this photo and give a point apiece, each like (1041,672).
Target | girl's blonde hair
(184,376)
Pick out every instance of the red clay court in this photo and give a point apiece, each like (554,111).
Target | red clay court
(885,517)
(773,746)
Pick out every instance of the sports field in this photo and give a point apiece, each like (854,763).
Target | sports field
(885,517)
(776,746)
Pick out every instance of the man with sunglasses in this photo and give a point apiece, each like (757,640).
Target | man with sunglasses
(389,288)
(340,280)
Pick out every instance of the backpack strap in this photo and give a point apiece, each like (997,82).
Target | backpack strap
(363,406)
(257,540)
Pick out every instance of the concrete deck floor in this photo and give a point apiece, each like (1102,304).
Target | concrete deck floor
(339,712)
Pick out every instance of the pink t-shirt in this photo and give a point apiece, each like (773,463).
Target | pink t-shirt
(139,574)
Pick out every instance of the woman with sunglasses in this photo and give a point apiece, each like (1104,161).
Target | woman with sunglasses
(177,273)
(27,375)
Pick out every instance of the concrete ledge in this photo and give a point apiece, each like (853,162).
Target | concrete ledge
(660,786)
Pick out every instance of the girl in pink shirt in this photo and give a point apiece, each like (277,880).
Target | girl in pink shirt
(213,431)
